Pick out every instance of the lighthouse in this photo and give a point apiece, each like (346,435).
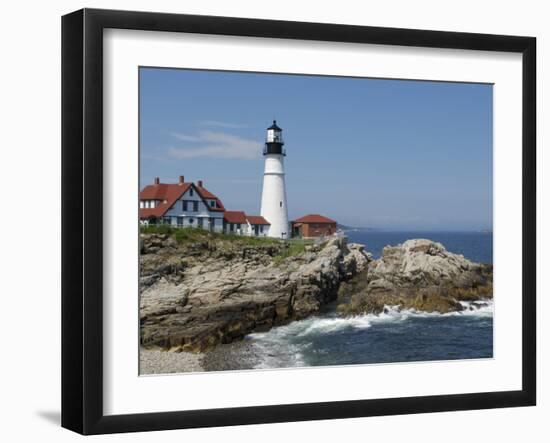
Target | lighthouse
(274,208)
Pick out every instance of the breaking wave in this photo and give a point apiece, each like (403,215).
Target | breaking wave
(333,323)
(289,345)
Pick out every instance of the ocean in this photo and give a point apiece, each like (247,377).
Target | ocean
(475,246)
(394,336)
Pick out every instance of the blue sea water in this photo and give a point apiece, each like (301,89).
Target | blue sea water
(394,336)
(476,246)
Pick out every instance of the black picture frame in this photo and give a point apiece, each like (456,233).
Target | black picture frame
(82,218)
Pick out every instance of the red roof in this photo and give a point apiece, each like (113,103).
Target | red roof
(257,220)
(314,218)
(168,194)
(234,216)
(206,194)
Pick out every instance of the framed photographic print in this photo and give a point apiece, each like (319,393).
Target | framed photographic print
(269,221)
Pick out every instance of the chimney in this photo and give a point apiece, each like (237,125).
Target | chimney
(157,180)
(182,180)
(200,183)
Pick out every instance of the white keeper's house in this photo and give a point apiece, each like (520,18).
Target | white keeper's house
(186,204)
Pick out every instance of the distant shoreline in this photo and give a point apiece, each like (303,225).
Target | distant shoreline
(416,231)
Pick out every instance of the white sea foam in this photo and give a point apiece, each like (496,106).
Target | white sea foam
(314,326)
(276,351)
(284,346)
(331,324)
(481,308)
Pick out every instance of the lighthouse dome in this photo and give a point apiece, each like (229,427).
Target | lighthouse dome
(274,126)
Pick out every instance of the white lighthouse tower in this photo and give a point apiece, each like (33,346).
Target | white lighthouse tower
(274,208)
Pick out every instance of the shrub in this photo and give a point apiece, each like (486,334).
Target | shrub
(192,235)
(291,249)
(157,229)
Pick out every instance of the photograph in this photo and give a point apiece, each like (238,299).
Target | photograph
(291,221)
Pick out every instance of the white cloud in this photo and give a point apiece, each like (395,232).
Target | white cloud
(223,124)
(216,145)
(185,137)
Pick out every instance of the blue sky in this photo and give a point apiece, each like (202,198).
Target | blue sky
(390,154)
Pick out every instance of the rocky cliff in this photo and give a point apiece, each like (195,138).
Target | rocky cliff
(208,290)
(419,274)
(202,290)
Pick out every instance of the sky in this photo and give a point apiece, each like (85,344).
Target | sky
(385,154)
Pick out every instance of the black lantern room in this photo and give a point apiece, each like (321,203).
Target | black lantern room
(274,140)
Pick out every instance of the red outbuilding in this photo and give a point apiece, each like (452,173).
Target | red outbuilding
(313,225)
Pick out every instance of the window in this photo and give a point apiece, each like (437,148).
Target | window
(191,192)
(141,204)
(180,221)
(191,221)
(195,206)
(262,228)
(212,203)
(184,205)
(231,227)
(280,204)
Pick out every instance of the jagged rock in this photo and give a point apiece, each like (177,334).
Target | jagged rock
(222,291)
(357,259)
(422,263)
(203,293)
(419,274)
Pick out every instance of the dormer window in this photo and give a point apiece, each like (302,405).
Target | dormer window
(212,203)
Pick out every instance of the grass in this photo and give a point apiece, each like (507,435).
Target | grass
(181,235)
(294,247)
(156,229)
(290,248)
(184,235)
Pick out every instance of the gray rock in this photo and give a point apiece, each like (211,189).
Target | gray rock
(422,263)
(419,274)
(224,291)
